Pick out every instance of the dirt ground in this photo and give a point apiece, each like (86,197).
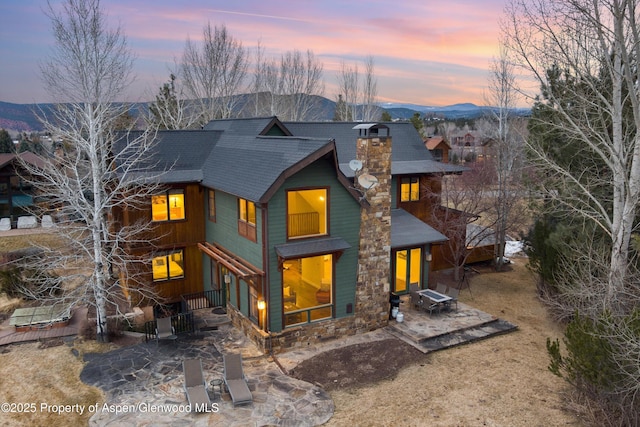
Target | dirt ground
(500,381)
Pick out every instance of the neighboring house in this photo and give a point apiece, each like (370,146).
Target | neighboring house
(16,196)
(270,217)
(439,148)
(469,146)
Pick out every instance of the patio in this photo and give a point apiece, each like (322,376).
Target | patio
(448,328)
(140,379)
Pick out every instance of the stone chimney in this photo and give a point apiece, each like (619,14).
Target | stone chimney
(374,259)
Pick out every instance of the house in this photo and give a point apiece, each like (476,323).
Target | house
(271,219)
(439,148)
(16,196)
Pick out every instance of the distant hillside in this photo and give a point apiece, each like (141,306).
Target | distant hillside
(20,117)
(23,117)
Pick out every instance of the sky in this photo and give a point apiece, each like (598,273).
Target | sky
(426,52)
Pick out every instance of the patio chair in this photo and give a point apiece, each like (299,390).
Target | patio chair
(453,293)
(416,301)
(195,386)
(164,330)
(235,380)
(444,289)
(441,288)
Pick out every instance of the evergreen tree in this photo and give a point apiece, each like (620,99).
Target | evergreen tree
(6,143)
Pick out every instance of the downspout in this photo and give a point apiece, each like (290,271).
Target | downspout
(265,262)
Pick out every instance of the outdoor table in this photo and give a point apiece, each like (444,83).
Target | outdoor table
(216,384)
(435,298)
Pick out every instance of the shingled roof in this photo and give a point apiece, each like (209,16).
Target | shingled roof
(408,154)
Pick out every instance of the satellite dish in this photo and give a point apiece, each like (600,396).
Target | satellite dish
(355,165)
(367,181)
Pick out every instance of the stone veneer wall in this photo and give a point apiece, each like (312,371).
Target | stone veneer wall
(296,337)
(374,258)
(374,266)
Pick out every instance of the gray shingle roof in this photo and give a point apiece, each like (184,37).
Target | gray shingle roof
(408,153)
(409,231)
(248,166)
(311,247)
(176,156)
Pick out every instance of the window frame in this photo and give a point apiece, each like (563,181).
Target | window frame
(211,205)
(327,210)
(166,197)
(247,227)
(410,180)
(166,255)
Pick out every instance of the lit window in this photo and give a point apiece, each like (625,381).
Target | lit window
(307,213)
(168,266)
(212,205)
(409,189)
(307,289)
(247,219)
(168,206)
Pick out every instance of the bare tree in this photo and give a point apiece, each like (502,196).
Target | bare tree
(596,46)
(289,88)
(462,201)
(507,146)
(348,92)
(356,99)
(89,178)
(369,91)
(214,72)
(171,110)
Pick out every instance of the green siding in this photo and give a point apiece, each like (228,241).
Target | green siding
(225,230)
(344,222)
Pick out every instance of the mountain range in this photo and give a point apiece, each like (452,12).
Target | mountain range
(24,117)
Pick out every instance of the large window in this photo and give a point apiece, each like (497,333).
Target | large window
(247,219)
(168,266)
(408,269)
(409,189)
(168,206)
(307,289)
(307,213)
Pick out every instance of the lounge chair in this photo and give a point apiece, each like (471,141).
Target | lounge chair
(234,379)
(195,386)
(164,330)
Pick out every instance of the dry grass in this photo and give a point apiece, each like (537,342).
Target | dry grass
(32,374)
(18,242)
(501,381)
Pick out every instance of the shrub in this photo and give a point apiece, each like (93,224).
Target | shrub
(601,362)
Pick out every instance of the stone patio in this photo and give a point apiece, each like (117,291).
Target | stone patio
(141,378)
(431,332)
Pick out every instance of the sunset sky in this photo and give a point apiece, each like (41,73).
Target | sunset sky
(426,52)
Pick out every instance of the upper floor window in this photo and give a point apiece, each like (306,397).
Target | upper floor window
(409,189)
(212,205)
(168,266)
(168,206)
(307,213)
(247,219)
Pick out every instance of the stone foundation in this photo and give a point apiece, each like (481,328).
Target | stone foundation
(296,337)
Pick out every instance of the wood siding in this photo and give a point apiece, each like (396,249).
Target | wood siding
(169,235)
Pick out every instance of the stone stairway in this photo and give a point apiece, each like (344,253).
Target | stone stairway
(444,330)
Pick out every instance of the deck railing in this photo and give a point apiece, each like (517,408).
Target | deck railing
(182,323)
(204,299)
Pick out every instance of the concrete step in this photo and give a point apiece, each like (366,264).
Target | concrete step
(458,337)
